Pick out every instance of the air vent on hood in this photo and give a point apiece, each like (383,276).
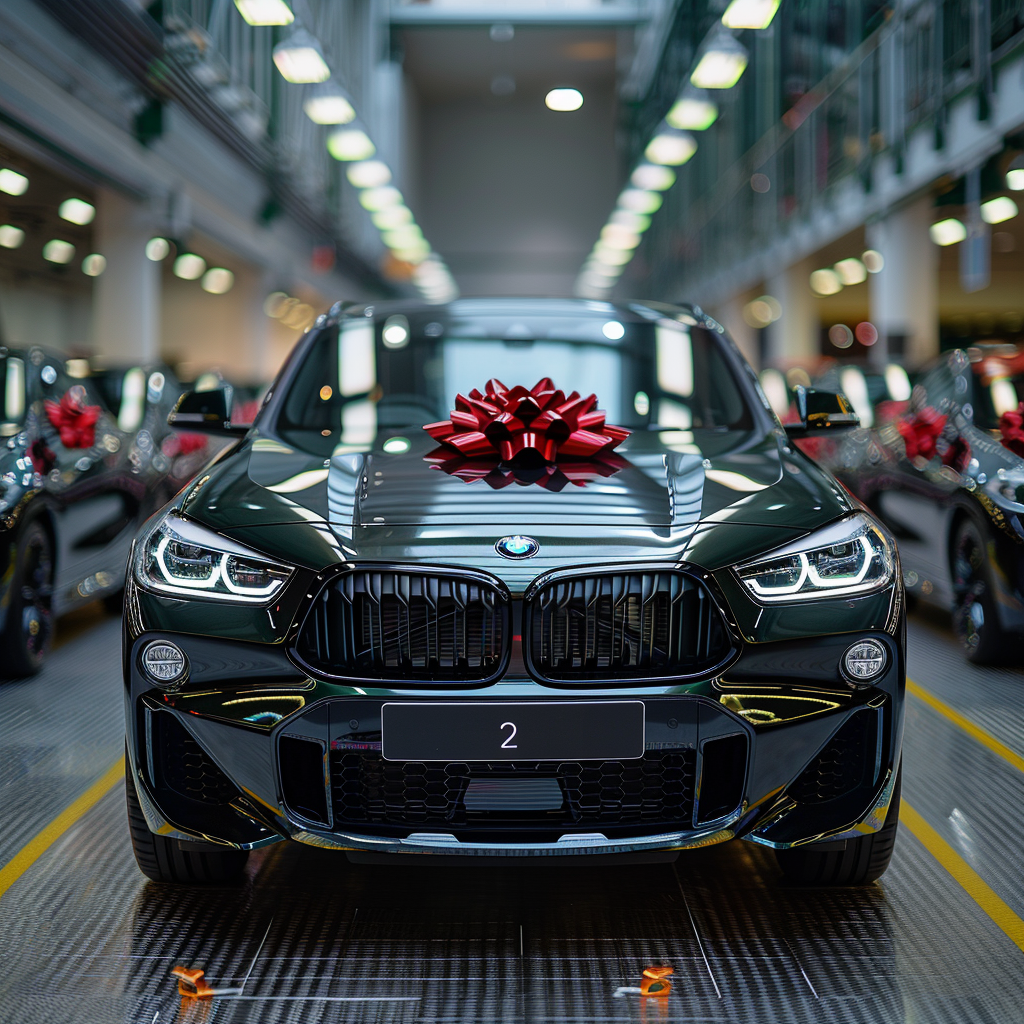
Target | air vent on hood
(402,624)
(638,624)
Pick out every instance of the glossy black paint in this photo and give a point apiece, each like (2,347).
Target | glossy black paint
(707,499)
(972,478)
(89,500)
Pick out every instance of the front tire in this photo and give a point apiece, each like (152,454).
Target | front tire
(174,860)
(29,628)
(864,859)
(975,617)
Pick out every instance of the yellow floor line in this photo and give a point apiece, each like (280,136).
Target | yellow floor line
(37,846)
(978,890)
(967,725)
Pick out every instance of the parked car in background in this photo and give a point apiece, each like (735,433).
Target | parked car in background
(76,479)
(947,477)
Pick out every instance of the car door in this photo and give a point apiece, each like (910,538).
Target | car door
(95,496)
(916,490)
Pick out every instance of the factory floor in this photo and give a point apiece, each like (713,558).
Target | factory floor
(309,937)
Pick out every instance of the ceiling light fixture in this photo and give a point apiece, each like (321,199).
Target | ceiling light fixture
(10,236)
(995,211)
(851,271)
(350,144)
(300,59)
(11,182)
(374,199)
(826,282)
(653,176)
(77,211)
(693,111)
(947,232)
(564,99)
(673,148)
(722,63)
(640,200)
(58,251)
(218,280)
(749,13)
(265,12)
(326,104)
(369,174)
(188,266)
(94,264)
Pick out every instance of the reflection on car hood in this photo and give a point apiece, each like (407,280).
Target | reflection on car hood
(664,491)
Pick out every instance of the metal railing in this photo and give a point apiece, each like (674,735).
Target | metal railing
(902,77)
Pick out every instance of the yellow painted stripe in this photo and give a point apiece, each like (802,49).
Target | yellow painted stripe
(967,725)
(976,888)
(42,841)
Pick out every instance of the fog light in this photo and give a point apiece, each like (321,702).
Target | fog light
(164,663)
(863,662)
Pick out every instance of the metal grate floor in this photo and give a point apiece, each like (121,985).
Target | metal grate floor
(84,937)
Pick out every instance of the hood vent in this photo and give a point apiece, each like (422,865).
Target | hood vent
(407,624)
(638,624)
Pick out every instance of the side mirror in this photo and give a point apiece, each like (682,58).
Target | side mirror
(207,412)
(821,412)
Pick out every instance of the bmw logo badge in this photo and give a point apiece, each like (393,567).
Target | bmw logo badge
(517,547)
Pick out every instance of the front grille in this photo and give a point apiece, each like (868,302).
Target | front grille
(848,762)
(402,625)
(636,625)
(182,766)
(655,790)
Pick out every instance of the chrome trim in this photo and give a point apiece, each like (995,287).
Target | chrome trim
(567,845)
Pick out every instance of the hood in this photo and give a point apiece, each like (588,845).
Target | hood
(665,489)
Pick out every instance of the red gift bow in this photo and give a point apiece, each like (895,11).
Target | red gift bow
(526,427)
(920,433)
(1011,426)
(74,420)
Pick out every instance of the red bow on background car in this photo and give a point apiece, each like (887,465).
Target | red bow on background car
(1011,426)
(921,432)
(74,420)
(524,427)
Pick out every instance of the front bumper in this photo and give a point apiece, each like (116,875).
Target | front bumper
(794,737)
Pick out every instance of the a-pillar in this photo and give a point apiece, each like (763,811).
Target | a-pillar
(795,337)
(730,315)
(126,300)
(904,295)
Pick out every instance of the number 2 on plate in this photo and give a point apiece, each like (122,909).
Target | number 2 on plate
(508,744)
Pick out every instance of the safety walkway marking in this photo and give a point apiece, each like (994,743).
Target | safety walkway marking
(46,837)
(962,872)
(967,725)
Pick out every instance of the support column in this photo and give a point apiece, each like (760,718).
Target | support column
(730,315)
(794,337)
(126,299)
(904,296)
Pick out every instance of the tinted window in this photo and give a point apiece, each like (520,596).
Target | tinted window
(400,372)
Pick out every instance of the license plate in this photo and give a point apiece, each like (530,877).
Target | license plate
(526,731)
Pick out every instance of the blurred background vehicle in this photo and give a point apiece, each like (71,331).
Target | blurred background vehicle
(84,460)
(947,476)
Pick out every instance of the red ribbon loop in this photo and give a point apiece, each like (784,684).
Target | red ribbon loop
(1011,426)
(523,427)
(73,419)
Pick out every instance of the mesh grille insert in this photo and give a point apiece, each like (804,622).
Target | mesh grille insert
(844,765)
(182,766)
(656,790)
(633,625)
(407,625)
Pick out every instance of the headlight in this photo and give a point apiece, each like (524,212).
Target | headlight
(182,558)
(850,557)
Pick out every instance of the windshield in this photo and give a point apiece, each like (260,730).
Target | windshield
(400,371)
